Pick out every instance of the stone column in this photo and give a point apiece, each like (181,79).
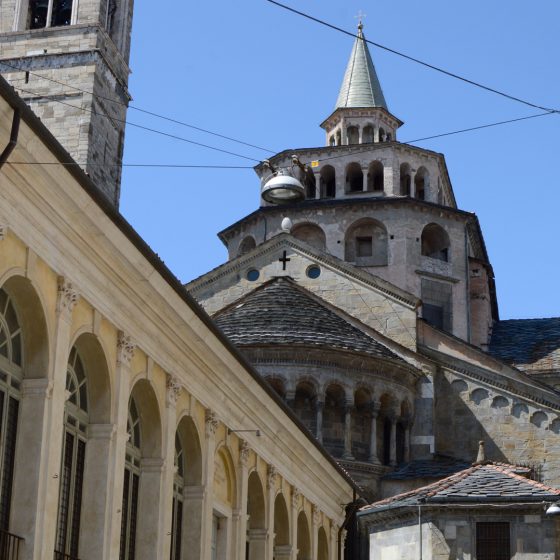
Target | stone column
(208,507)
(393,441)
(374,413)
(348,433)
(168,475)
(240,513)
(294,522)
(125,352)
(316,518)
(271,479)
(39,440)
(150,504)
(333,548)
(317,185)
(412,186)
(193,522)
(360,134)
(407,427)
(319,410)
(257,544)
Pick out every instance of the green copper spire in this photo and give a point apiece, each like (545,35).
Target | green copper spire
(360,87)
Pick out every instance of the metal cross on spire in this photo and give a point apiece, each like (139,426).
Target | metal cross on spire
(360,17)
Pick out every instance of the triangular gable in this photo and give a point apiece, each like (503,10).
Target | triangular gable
(377,303)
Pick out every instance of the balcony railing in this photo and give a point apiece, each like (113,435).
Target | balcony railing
(9,546)
(62,556)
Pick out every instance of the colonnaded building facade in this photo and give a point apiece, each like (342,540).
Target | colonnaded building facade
(130,427)
(366,298)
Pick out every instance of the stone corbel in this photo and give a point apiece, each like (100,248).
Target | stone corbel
(125,349)
(173,390)
(271,476)
(67,297)
(211,421)
(244,450)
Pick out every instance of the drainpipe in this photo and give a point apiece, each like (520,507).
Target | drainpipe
(352,509)
(13,139)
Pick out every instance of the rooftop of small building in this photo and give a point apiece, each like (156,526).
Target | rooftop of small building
(531,345)
(280,312)
(484,482)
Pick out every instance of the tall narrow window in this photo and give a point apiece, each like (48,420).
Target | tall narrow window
(178,499)
(10,384)
(73,459)
(49,13)
(131,485)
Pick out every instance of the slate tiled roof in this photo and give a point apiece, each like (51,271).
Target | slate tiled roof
(282,313)
(360,86)
(532,345)
(485,483)
(439,467)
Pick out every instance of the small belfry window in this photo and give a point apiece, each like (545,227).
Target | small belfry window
(73,459)
(129,519)
(10,383)
(49,13)
(493,541)
(178,499)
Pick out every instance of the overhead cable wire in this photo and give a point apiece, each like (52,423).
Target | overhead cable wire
(155,131)
(135,108)
(416,60)
(157,165)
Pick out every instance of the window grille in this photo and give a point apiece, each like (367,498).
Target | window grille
(73,459)
(131,485)
(493,541)
(11,375)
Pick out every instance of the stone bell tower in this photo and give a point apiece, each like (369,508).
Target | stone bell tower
(68,59)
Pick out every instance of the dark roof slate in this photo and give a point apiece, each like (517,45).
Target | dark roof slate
(531,345)
(282,313)
(439,467)
(490,482)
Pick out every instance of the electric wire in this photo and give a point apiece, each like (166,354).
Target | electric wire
(416,60)
(142,127)
(162,165)
(135,108)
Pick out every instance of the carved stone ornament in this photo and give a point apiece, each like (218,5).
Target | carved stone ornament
(271,476)
(296,494)
(244,452)
(173,389)
(67,296)
(125,349)
(211,422)
(316,515)
(3,232)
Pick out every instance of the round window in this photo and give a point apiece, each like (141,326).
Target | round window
(253,275)
(313,271)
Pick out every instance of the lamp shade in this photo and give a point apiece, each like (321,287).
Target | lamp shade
(282,188)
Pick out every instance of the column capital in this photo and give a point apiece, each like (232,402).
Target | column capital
(244,450)
(37,388)
(211,421)
(67,296)
(296,494)
(174,388)
(316,515)
(374,408)
(125,349)
(271,476)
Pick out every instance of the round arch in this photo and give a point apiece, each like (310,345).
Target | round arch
(327,180)
(375,177)
(224,477)
(303,537)
(256,512)
(322,545)
(405,179)
(248,244)
(435,242)
(366,243)
(311,234)
(354,178)
(281,525)
(421,183)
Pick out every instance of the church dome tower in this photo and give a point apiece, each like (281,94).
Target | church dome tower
(384,207)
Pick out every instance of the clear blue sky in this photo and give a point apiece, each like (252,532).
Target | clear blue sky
(251,70)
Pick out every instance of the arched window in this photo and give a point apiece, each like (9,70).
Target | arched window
(352,135)
(278,385)
(333,420)
(332,141)
(421,183)
(323,545)
(328,182)
(131,484)
(178,499)
(303,538)
(304,404)
(435,242)
(311,234)
(73,458)
(405,181)
(256,513)
(248,244)
(366,243)
(338,138)
(354,178)
(381,135)
(375,179)
(11,376)
(310,183)
(361,424)
(281,526)
(367,134)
